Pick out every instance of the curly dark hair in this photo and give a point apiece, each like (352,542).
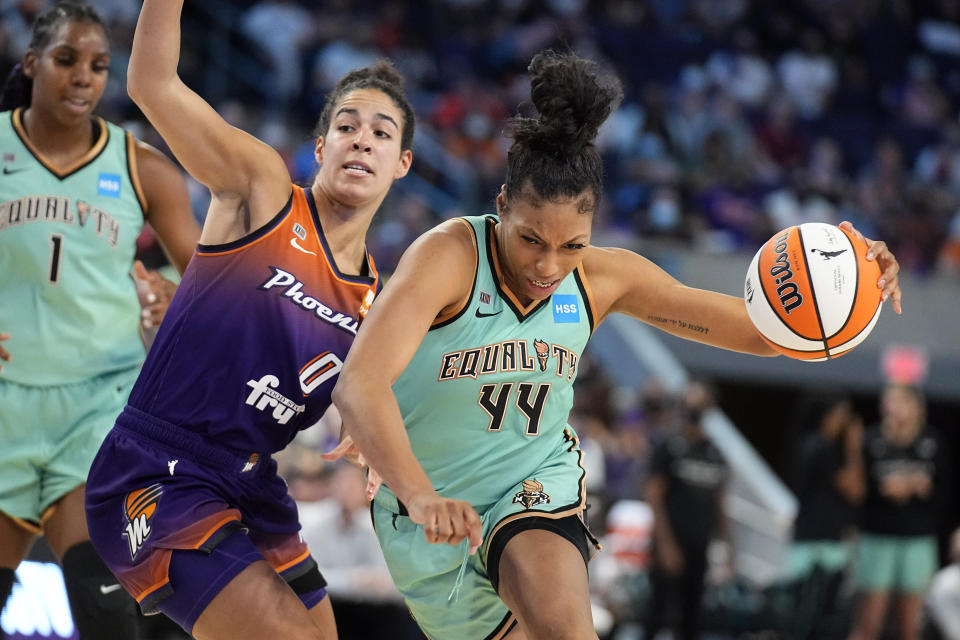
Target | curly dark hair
(554,152)
(382,76)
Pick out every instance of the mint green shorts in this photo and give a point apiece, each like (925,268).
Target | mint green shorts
(904,564)
(447,590)
(803,556)
(49,437)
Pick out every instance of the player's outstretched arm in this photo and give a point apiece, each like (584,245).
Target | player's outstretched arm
(626,282)
(435,274)
(230,162)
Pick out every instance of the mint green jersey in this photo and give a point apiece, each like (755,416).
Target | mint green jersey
(67,242)
(486,397)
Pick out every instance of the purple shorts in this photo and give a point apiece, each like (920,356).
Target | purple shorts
(176,518)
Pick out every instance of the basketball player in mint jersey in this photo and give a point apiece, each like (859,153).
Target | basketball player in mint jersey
(458,387)
(75,191)
(184,502)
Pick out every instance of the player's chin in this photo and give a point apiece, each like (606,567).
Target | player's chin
(357,195)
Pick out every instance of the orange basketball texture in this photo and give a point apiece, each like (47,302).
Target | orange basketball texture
(811,292)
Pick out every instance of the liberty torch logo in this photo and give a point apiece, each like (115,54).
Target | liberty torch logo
(531,493)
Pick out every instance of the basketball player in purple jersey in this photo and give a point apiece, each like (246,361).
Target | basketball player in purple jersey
(183,500)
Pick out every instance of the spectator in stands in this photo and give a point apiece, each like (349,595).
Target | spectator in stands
(685,489)
(829,483)
(290,27)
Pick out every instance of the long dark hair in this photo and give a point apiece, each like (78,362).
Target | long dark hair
(554,150)
(18,87)
(381,75)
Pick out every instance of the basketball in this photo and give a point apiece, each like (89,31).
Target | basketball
(812,293)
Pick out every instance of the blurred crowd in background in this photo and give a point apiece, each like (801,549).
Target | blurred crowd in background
(864,477)
(740,118)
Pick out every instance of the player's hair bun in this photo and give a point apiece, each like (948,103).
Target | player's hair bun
(382,70)
(572,98)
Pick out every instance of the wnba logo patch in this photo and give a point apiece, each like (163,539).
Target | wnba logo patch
(139,507)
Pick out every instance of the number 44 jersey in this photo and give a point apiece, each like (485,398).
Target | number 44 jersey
(486,397)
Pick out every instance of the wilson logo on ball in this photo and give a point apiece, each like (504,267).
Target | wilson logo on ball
(811,292)
(787,291)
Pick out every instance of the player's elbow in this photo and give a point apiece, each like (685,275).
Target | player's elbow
(344,394)
(137,89)
(144,85)
(340,396)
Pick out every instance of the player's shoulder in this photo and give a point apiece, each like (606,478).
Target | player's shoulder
(451,237)
(148,154)
(611,271)
(600,260)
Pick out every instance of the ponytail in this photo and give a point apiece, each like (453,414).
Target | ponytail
(16,90)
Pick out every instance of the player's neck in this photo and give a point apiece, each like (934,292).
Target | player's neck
(58,143)
(345,229)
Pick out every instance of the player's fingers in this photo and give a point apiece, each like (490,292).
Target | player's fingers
(889,265)
(895,295)
(340,451)
(846,224)
(153,314)
(877,249)
(431,528)
(140,270)
(4,354)
(373,484)
(465,523)
(447,531)
(141,281)
(474,529)
(162,288)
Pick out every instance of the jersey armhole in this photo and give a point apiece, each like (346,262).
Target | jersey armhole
(454,313)
(579,274)
(135,173)
(254,236)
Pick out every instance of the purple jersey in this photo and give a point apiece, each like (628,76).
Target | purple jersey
(250,348)
(247,355)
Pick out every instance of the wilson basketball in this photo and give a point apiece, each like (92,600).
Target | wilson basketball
(812,293)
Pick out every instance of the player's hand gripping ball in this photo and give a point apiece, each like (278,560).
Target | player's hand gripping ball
(812,293)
